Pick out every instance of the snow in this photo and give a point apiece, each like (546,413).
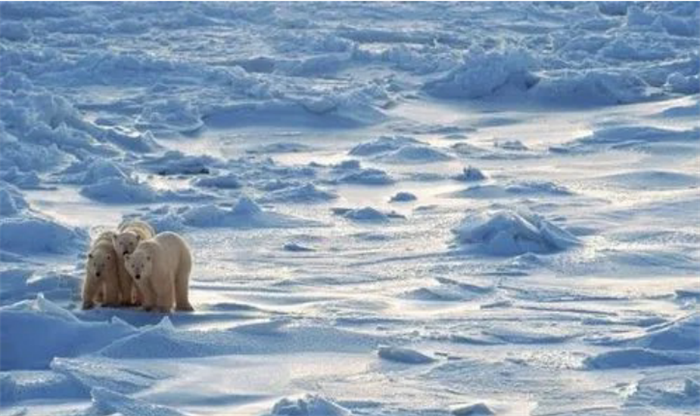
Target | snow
(409,209)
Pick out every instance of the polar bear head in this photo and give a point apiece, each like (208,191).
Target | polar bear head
(126,242)
(139,264)
(101,260)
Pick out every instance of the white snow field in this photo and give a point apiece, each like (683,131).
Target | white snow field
(394,208)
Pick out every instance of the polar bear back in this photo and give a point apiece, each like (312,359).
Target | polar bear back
(169,249)
(138,227)
(105,236)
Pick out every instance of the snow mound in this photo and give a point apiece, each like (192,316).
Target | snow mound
(15,31)
(414,154)
(629,137)
(228,181)
(366,214)
(299,194)
(512,232)
(120,190)
(369,176)
(593,87)
(403,197)
(470,174)
(653,179)
(280,147)
(33,235)
(381,145)
(399,149)
(109,402)
(476,409)
(27,321)
(513,145)
(514,189)
(11,201)
(308,405)
(245,214)
(100,169)
(681,334)
(22,180)
(97,372)
(482,74)
(403,355)
(297,248)
(174,162)
(639,358)
(170,115)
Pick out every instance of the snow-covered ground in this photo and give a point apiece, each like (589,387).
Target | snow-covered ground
(395,209)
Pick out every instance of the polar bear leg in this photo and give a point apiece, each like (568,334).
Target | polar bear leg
(90,291)
(164,294)
(147,297)
(182,286)
(125,287)
(111,292)
(136,297)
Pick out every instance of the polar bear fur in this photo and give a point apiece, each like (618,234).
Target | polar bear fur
(161,269)
(102,273)
(125,242)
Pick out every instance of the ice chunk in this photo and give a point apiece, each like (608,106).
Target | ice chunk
(33,235)
(403,355)
(482,74)
(299,194)
(382,145)
(512,232)
(369,176)
(476,409)
(106,401)
(368,214)
(414,154)
(228,181)
(308,405)
(65,335)
(403,197)
(470,174)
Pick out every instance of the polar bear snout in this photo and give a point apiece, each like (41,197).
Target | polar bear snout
(137,277)
(98,273)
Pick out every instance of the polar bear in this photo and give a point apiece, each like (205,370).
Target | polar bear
(161,269)
(125,242)
(102,276)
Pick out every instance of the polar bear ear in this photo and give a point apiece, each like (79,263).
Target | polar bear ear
(138,237)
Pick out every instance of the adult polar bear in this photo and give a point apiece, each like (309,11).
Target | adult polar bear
(125,242)
(102,277)
(161,269)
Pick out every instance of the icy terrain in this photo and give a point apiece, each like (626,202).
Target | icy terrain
(395,209)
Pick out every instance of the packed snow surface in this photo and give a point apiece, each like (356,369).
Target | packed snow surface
(410,209)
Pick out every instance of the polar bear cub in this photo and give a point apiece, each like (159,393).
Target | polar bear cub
(102,276)
(161,269)
(125,242)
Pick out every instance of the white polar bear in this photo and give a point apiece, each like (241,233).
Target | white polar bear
(161,269)
(102,276)
(125,242)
